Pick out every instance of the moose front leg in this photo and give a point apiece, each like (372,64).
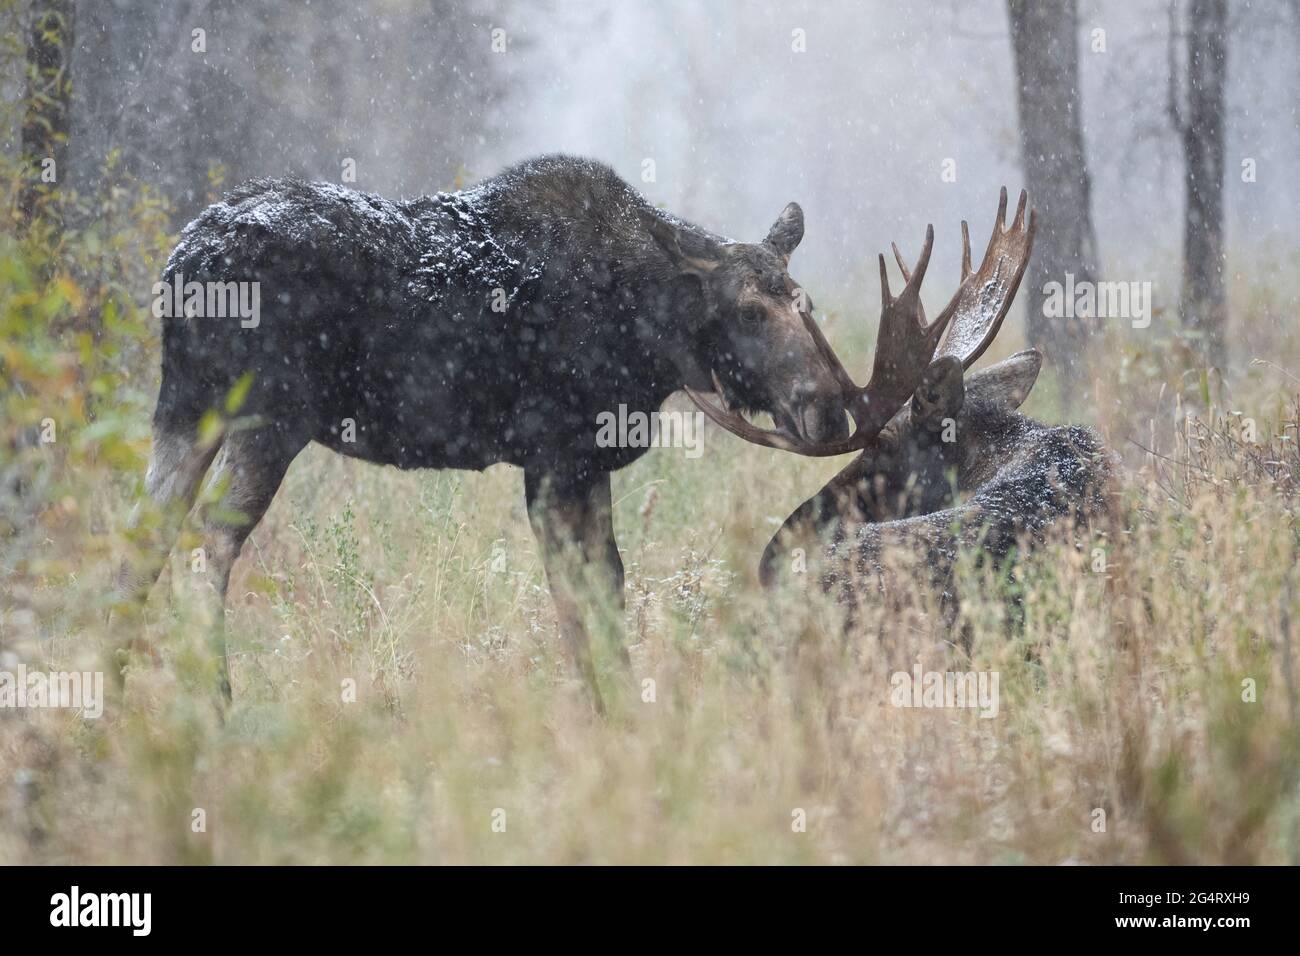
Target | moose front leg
(572,517)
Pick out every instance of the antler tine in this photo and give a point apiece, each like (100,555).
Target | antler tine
(885,297)
(907,277)
(923,263)
(902,266)
(1019,221)
(965,250)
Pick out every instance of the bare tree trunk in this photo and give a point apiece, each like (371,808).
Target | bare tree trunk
(48,115)
(1200,124)
(1043,37)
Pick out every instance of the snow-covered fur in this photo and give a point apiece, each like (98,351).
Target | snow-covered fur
(459,329)
(495,324)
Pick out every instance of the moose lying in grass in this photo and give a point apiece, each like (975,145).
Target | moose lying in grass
(946,459)
(464,329)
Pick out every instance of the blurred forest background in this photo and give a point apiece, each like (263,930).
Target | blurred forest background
(1153,136)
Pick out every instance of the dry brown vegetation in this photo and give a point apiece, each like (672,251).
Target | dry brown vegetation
(1155,683)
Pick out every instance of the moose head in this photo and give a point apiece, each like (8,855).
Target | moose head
(756,321)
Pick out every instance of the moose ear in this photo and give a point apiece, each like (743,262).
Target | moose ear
(692,254)
(1008,383)
(786,232)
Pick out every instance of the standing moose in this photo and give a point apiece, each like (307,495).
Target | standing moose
(464,329)
(945,462)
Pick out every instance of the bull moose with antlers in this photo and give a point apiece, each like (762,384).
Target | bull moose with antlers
(945,459)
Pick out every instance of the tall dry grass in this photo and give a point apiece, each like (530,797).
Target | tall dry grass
(1147,699)
(1122,691)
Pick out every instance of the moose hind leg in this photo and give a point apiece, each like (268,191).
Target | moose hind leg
(251,466)
(177,464)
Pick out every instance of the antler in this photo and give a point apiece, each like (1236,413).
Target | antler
(905,344)
(985,297)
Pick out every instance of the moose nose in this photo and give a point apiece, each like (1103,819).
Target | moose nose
(823,421)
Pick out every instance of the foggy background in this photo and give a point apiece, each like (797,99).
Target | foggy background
(737,121)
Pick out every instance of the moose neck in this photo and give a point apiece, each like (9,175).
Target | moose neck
(603,316)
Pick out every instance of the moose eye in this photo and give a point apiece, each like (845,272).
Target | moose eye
(751,315)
